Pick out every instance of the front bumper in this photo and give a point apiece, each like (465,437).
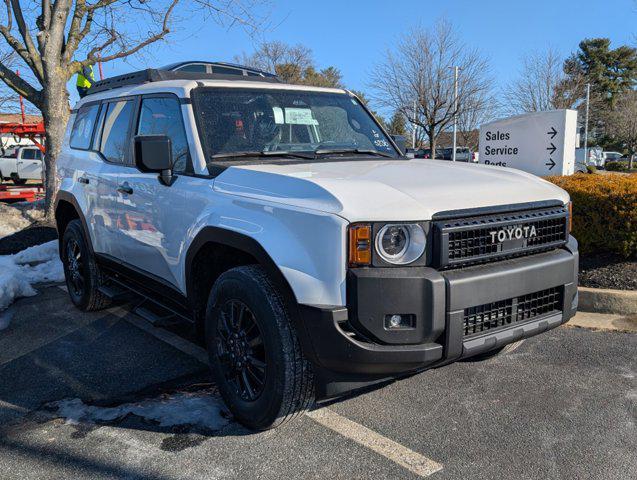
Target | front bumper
(352,344)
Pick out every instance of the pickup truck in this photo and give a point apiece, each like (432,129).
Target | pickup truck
(20,164)
(307,253)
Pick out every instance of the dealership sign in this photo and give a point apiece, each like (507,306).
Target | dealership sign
(542,143)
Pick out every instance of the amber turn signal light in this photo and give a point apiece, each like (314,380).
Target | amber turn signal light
(570,216)
(360,245)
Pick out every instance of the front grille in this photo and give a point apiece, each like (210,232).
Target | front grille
(475,239)
(496,315)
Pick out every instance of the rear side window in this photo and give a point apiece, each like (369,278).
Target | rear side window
(162,116)
(83,126)
(114,144)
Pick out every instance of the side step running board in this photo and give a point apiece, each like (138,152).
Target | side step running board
(116,294)
(155,314)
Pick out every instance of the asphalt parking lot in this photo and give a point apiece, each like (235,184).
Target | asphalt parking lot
(563,405)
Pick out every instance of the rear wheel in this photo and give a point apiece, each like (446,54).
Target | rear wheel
(19,181)
(492,353)
(80,270)
(254,352)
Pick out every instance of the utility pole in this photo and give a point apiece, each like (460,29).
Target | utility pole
(413,134)
(455,112)
(588,100)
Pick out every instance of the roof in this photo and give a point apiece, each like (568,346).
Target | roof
(181,83)
(154,75)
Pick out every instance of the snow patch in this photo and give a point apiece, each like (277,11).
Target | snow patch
(18,216)
(200,409)
(19,272)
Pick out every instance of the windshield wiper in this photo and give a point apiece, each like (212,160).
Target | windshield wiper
(265,153)
(362,151)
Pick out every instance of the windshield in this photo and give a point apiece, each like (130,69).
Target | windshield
(306,125)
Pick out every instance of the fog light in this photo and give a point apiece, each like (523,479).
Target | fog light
(399,322)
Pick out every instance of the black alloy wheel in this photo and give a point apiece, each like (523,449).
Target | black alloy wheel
(75,268)
(242,353)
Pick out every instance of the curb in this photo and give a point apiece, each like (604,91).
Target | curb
(601,300)
(606,322)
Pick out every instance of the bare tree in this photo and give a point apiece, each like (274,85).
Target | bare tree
(419,70)
(292,64)
(479,109)
(54,40)
(543,85)
(270,55)
(623,122)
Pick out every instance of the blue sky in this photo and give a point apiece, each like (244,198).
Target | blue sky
(353,35)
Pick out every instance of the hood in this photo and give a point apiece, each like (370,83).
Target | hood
(386,190)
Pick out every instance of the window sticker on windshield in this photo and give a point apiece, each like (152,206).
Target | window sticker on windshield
(299,116)
(278,115)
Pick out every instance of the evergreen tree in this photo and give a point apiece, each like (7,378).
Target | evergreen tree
(397,124)
(611,72)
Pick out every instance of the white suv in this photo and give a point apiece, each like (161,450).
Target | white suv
(310,255)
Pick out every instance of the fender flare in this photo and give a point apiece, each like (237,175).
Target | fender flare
(252,247)
(241,242)
(64,196)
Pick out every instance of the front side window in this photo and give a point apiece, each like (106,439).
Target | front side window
(162,116)
(83,126)
(29,154)
(311,125)
(114,143)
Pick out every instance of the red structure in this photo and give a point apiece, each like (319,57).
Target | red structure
(33,131)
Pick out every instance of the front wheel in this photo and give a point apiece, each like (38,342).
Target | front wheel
(255,355)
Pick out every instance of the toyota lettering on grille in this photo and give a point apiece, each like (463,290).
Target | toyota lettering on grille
(513,233)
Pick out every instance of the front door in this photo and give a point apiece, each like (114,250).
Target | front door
(30,164)
(155,224)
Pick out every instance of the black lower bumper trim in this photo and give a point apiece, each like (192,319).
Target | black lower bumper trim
(338,351)
(342,353)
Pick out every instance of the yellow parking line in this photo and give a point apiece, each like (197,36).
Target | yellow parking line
(397,453)
(391,450)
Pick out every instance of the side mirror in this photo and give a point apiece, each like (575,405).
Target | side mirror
(401,142)
(154,154)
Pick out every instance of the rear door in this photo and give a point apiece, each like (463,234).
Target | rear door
(30,163)
(155,225)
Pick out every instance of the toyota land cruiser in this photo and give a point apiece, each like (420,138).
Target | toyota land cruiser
(310,255)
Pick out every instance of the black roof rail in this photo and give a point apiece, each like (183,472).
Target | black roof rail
(154,75)
(257,71)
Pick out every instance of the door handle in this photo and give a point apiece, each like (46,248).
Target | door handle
(125,189)
(83,180)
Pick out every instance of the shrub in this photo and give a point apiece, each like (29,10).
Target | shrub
(604,212)
(591,169)
(616,166)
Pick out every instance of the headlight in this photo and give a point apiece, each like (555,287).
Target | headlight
(401,244)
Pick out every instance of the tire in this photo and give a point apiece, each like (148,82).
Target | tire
(262,350)
(82,275)
(19,181)
(492,353)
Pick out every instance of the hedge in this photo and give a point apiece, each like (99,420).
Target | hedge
(604,212)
